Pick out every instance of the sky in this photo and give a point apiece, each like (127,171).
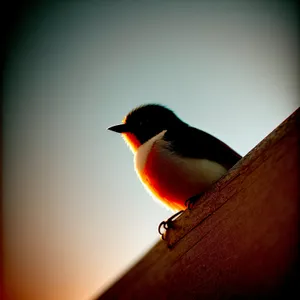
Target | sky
(75,216)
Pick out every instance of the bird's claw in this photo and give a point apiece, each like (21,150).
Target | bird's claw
(191,201)
(162,224)
(167,224)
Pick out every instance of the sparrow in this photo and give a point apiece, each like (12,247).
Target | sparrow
(174,161)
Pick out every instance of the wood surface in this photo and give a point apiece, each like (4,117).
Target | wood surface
(239,241)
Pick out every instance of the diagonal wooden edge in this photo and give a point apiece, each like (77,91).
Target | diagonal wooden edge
(222,191)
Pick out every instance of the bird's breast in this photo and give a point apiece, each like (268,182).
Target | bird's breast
(170,178)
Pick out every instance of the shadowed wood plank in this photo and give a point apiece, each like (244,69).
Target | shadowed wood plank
(239,241)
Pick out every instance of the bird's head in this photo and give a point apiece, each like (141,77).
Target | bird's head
(144,122)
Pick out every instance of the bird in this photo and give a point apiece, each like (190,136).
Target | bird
(174,161)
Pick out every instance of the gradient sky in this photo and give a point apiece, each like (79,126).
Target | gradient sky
(75,214)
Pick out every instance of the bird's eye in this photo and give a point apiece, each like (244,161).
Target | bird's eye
(144,122)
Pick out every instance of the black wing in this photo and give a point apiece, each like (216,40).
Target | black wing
(195,143)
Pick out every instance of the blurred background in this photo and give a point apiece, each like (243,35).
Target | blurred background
(75,216)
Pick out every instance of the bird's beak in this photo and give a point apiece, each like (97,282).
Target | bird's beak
(119,128)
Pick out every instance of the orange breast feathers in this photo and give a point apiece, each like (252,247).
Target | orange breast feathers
(166,180)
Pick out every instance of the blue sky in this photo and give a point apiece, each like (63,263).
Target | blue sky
(75,214)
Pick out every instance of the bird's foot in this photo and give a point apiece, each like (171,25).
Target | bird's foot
(167,224)
(189,203)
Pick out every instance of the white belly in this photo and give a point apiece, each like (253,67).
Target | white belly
(171,178)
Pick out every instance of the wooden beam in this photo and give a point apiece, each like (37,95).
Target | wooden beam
(239,241)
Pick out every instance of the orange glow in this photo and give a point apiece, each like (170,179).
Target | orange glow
(162,194)
(131,141)
(172,203)
(165,183)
